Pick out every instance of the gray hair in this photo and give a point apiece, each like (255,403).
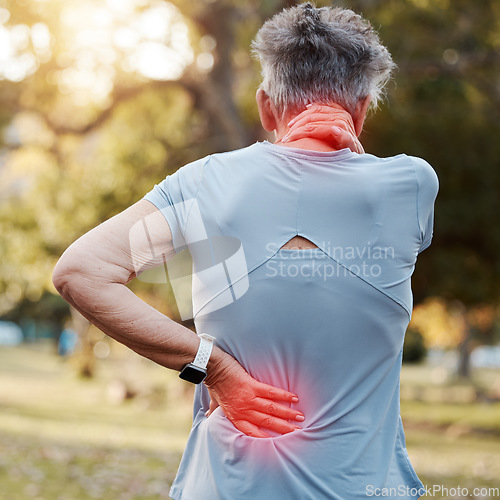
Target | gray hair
(321,55)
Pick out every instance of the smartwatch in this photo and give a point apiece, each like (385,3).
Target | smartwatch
(196,371)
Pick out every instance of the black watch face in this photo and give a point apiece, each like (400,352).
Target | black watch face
(193,374)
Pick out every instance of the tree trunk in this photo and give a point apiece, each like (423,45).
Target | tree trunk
(85,352)
(463,369)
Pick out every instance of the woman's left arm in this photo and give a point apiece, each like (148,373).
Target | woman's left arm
(92,275)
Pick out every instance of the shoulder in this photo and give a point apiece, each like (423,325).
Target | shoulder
(208,162)
(235,156)
(193,170)
(189,177)
(423,168)
(426,176)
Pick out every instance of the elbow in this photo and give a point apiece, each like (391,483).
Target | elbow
(62,277)
(66,273)
(79,275)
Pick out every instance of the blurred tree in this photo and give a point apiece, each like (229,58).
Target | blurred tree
(95,111)
(88,130)
(440,328)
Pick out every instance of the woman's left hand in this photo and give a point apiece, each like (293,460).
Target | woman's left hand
(250,405)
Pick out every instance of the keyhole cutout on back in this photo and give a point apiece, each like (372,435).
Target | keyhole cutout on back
(299,243)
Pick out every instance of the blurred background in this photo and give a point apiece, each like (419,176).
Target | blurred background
(100,100)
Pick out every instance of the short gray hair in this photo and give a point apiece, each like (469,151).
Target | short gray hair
(321,55)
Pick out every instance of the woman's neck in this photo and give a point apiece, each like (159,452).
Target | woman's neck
(312,125)
(308,143)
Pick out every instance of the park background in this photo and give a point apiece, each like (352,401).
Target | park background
(99,100)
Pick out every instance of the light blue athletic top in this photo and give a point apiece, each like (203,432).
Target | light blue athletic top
(326,324)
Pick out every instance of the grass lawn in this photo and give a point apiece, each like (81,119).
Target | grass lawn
(452,441)
(64,438)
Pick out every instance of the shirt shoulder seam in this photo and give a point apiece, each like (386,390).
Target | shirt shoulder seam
(207,159)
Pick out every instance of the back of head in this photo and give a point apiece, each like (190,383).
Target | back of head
(321,55)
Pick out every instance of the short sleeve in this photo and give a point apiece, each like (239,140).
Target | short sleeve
(428,186)
(175,197)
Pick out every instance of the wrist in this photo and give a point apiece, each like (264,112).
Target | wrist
(218,362)
(196,370)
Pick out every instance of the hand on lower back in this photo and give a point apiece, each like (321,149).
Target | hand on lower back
(252,407)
